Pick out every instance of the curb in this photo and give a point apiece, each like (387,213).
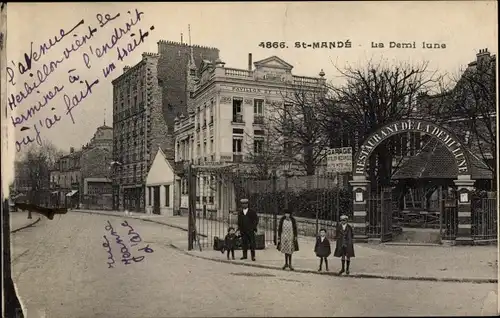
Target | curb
(413,244)
(26,226)
(361,275)
(308,271)
(139,218)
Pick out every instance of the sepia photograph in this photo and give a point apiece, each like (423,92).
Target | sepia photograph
(249,159)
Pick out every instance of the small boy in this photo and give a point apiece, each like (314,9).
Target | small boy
(322,249)
(230,242)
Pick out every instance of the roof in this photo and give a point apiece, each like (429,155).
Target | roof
(440,164)
(104,127)
(273,61)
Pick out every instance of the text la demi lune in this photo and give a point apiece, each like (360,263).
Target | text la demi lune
(450,141)
(408,45)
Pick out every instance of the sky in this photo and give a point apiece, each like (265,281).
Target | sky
(236,29)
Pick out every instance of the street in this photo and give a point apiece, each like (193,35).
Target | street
(60,270)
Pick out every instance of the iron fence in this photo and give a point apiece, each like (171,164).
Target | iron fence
(380,215)
(215,194)
(484,218)
(449,227)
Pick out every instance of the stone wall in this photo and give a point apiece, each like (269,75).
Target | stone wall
(172,71)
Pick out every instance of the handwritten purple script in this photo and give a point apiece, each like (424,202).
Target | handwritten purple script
(32,97)
(126,254)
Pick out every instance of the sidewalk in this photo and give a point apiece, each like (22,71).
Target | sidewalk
(432,263)
(20,221)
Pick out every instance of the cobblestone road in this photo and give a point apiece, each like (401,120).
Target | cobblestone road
(60,271)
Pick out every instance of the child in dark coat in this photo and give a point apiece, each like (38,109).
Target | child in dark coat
(322,249)
(230,242)
(344,235)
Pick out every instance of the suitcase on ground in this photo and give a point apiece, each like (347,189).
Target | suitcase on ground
(260,241)
(218,244)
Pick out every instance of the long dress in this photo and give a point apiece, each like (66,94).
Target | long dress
(287,246)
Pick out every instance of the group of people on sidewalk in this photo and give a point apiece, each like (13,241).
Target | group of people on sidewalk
(287,244)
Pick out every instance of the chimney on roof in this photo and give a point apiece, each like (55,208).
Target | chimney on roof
(482,55)
(249,61)
(71,149)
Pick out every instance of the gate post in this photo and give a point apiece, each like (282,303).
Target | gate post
(191,206)
(359,186)
(464,189)
(274,181)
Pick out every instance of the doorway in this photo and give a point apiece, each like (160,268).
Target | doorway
(156,200)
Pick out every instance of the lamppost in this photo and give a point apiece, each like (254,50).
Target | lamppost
(112,167)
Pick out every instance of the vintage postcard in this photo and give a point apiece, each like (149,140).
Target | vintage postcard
(253,159)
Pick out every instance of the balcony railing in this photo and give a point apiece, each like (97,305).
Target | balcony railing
(238,118)
(306,80)
(258,119)
(238,73)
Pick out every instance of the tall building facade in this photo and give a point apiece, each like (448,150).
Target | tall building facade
(65,179)
(96,185)
(227,114)
(146,99)
(74,173)
(136,97)
(228,108)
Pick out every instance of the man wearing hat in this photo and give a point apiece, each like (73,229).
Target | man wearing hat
(345,246)
(247,224)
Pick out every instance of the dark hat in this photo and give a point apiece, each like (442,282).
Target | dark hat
(288,210)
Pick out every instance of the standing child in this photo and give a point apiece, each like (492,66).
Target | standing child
(322,249)
(287,238)
(230,242)
(345,246)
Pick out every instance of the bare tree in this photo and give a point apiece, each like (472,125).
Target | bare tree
(474,99)
(298,121)
(374,96)
(39,160)
(265,150)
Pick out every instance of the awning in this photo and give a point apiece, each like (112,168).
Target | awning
(72,193)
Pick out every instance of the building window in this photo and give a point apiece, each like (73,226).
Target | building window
(237,143)
(258,146)
(258,106)
(212,111)
(167,195)
(237,109)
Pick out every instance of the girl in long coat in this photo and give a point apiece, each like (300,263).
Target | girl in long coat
(287,238)
(345,246)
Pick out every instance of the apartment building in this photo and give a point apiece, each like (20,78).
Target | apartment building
(227,113)
(228,107)
(146,99)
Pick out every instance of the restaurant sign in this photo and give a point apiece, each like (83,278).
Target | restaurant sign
(447,138)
